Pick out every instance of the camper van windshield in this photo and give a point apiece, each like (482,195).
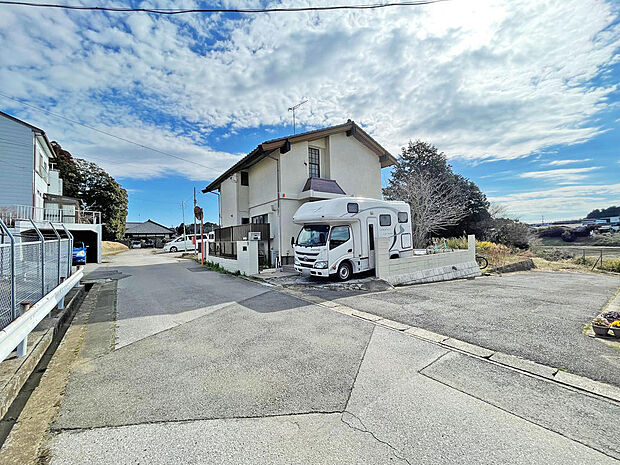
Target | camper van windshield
(313,235)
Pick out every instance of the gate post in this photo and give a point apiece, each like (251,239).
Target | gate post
(12,296)
(42,257)
(58,239)
(70,259)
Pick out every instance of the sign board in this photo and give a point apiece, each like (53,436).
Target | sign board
(198,212)
(254,236)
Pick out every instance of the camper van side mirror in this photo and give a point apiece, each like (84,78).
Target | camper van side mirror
(292,242)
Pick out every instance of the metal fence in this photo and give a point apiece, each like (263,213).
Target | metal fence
(12,213)
(32,263)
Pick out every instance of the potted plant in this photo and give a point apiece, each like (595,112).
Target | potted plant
(615,327)
(600,326)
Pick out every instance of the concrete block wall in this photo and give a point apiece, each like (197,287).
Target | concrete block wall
(246,262)
(426,268)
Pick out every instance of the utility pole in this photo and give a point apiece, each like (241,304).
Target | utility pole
(184,235)
(293,108)
(195,242)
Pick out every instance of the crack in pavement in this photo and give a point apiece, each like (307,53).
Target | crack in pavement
(364,429)
(359,367)
(193,419)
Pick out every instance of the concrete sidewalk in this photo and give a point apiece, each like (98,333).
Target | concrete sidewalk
(272,379)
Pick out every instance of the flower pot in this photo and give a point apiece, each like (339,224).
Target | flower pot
(600,330)
(616,331)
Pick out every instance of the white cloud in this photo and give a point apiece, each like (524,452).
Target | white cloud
(480,80)
(567,162)
(563,175)
(559,203)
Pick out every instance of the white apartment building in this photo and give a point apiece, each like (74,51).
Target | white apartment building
(270,183)
(30,187)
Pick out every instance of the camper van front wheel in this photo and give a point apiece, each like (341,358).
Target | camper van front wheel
(344,271)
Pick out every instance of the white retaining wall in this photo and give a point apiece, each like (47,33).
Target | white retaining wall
(246,262)
(426,268)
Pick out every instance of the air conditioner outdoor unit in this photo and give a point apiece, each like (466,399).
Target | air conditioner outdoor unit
(254,236)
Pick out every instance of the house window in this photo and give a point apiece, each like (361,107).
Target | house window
(245,179)
(260,219)
(385,220)
(402,217)
(314,157)
(245,220)
(353,208)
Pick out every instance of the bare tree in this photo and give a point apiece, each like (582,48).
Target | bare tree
(497,210)
(435,205)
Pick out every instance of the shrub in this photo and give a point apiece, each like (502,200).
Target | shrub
(457,242)
(554,255)
(512,233)
(568,236)
(551,231)
(611,265)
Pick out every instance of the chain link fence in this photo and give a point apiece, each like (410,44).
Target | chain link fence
(32,263)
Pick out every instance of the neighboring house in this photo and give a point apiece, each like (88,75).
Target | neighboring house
(270,183)
(31,189)
(148,230)
(27,175)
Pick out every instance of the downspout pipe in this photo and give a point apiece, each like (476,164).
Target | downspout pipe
(277,160)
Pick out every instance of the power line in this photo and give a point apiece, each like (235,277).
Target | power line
(176,11)
(104,132)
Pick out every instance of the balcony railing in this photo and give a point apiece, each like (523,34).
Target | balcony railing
(11,213)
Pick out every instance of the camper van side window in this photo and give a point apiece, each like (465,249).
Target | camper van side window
(402,217)
(385,220)
(353,208)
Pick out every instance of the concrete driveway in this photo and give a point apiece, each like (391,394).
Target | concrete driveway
(539,316)
(208,368)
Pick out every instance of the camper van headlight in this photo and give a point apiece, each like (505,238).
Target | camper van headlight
(321,265)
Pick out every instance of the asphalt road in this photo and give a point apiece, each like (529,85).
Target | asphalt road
(539,316)
(261,377)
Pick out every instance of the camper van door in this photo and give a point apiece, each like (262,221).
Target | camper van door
(371,226)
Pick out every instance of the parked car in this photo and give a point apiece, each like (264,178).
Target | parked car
(179,244)
(149,243)
(79,253)
(136,244)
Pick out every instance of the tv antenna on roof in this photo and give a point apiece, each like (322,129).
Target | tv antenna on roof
(293,108)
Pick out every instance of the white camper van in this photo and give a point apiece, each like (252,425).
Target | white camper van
(338,235)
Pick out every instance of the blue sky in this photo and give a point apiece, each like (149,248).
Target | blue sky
(522,96)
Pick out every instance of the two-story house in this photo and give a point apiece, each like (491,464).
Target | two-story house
(31,189)
(28,179)
(270,183)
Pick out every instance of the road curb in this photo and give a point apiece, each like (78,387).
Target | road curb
(525,366)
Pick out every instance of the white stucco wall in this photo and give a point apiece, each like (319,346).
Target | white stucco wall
(356,168)
(246,262)
(228,202)
(294,169)
(263,182)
